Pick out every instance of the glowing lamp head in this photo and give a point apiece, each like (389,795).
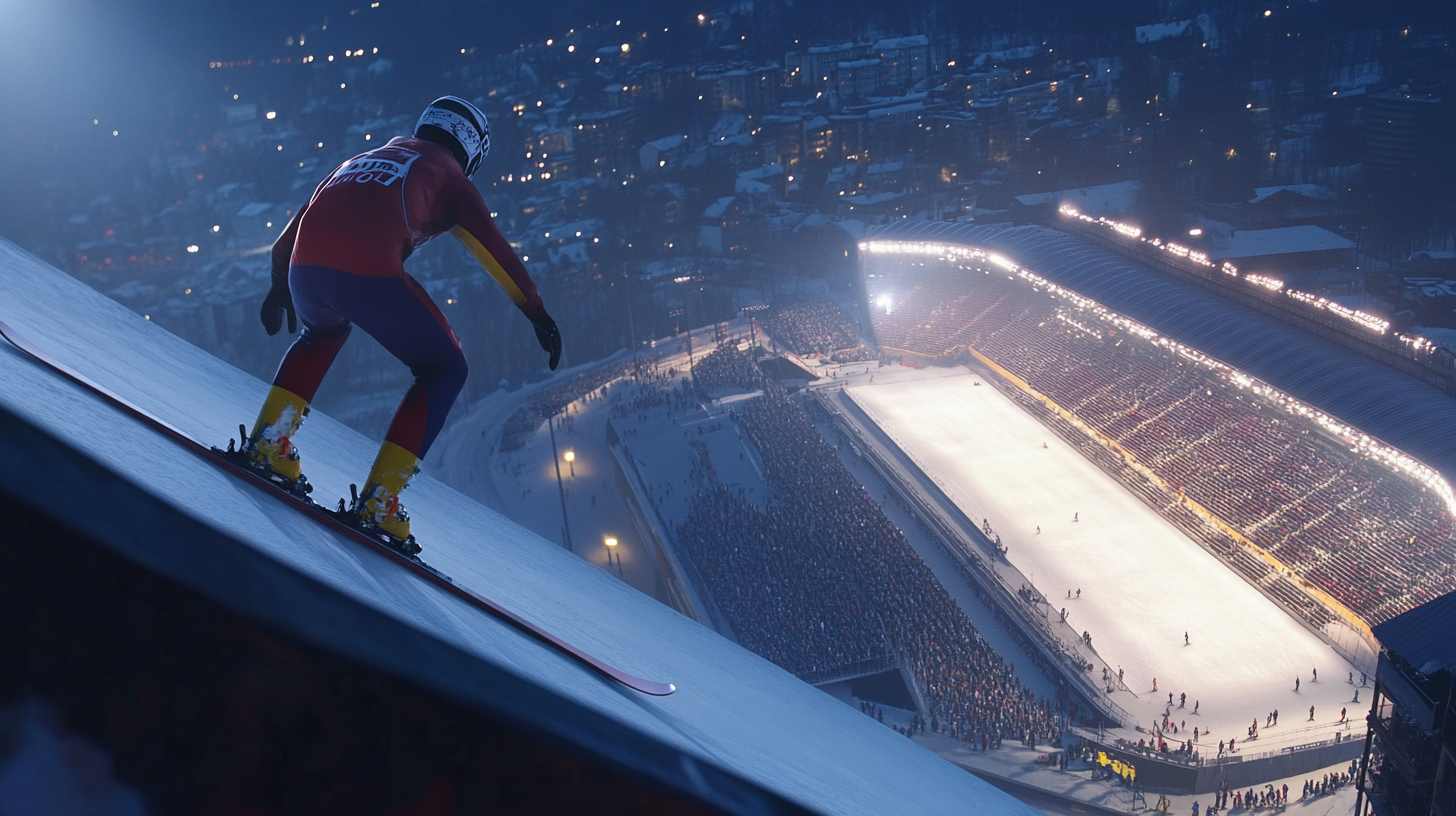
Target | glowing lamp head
(570,456)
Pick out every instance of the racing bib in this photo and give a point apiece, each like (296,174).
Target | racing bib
(383,166)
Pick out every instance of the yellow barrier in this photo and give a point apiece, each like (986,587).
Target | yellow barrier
(1119,767)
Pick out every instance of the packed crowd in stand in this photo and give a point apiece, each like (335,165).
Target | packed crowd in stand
(724,368)
(814,327)
(1377,541)
(552,401)
(824,548)
(786,599)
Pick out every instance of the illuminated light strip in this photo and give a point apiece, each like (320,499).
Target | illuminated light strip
(1361,443)
(1272,284)
(1362,318)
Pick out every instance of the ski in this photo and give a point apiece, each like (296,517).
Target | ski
(232,461)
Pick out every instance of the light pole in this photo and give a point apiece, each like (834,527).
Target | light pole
(611,542)
(565,526)
(570,457)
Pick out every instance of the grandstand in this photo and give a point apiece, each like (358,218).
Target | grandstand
(1357,520)
(821,582)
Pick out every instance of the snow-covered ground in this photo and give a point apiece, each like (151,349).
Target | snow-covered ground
(1143,583)
(732,708)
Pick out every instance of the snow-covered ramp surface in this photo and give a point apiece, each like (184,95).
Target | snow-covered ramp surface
(732,709)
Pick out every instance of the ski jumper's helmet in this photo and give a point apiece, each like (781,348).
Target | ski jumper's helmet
(463,128)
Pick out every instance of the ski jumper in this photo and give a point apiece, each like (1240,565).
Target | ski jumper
(343,255)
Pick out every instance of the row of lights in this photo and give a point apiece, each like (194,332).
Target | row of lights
(356,52)
(1362,318)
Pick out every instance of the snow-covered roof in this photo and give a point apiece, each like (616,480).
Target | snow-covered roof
(1280,241)
(727,126)
(1162,31)
(913,41)
(1311,191)
(1104,199)
(732,709)
(667,143)
(831,49)
(895,110)
(767,172)
(747,186)
(717,208)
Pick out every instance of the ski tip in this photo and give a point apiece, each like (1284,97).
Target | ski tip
(653,688)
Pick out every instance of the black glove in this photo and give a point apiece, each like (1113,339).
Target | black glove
(548,336)
(279,300)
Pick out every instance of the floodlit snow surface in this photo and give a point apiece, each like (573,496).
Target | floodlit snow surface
(1143,582)
(731,709)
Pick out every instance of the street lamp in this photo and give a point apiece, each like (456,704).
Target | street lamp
(611,542)
(560,489)
(570,457)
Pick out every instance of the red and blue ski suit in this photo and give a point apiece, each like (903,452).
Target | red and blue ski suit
(343,256)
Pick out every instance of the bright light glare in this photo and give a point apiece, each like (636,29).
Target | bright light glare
(193,248)
(271,115)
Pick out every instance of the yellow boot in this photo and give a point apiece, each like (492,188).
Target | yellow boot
(391,474)
(271,442)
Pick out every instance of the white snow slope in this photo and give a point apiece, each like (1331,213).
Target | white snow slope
(733,709)
(1143,582)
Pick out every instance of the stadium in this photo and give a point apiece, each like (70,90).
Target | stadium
(1023,499)
(1235,477)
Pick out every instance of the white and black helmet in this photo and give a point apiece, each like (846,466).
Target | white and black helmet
(462,122)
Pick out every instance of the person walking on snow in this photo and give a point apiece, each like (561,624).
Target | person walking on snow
(340,263)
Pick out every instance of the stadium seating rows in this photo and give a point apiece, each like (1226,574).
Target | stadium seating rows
(1377,541)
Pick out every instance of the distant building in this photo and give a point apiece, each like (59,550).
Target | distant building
(603,141)
(1284,206)
(1285,250)
(1104,200)
(738,88)
(856,80)
(725,227)
(815,67)
(1409,766)
(663,154)
(1404,137)
(904,61)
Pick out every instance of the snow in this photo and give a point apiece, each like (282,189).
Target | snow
(1106,199)
(1280,241)
(1143,582)
(1162,31)
(732,709)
